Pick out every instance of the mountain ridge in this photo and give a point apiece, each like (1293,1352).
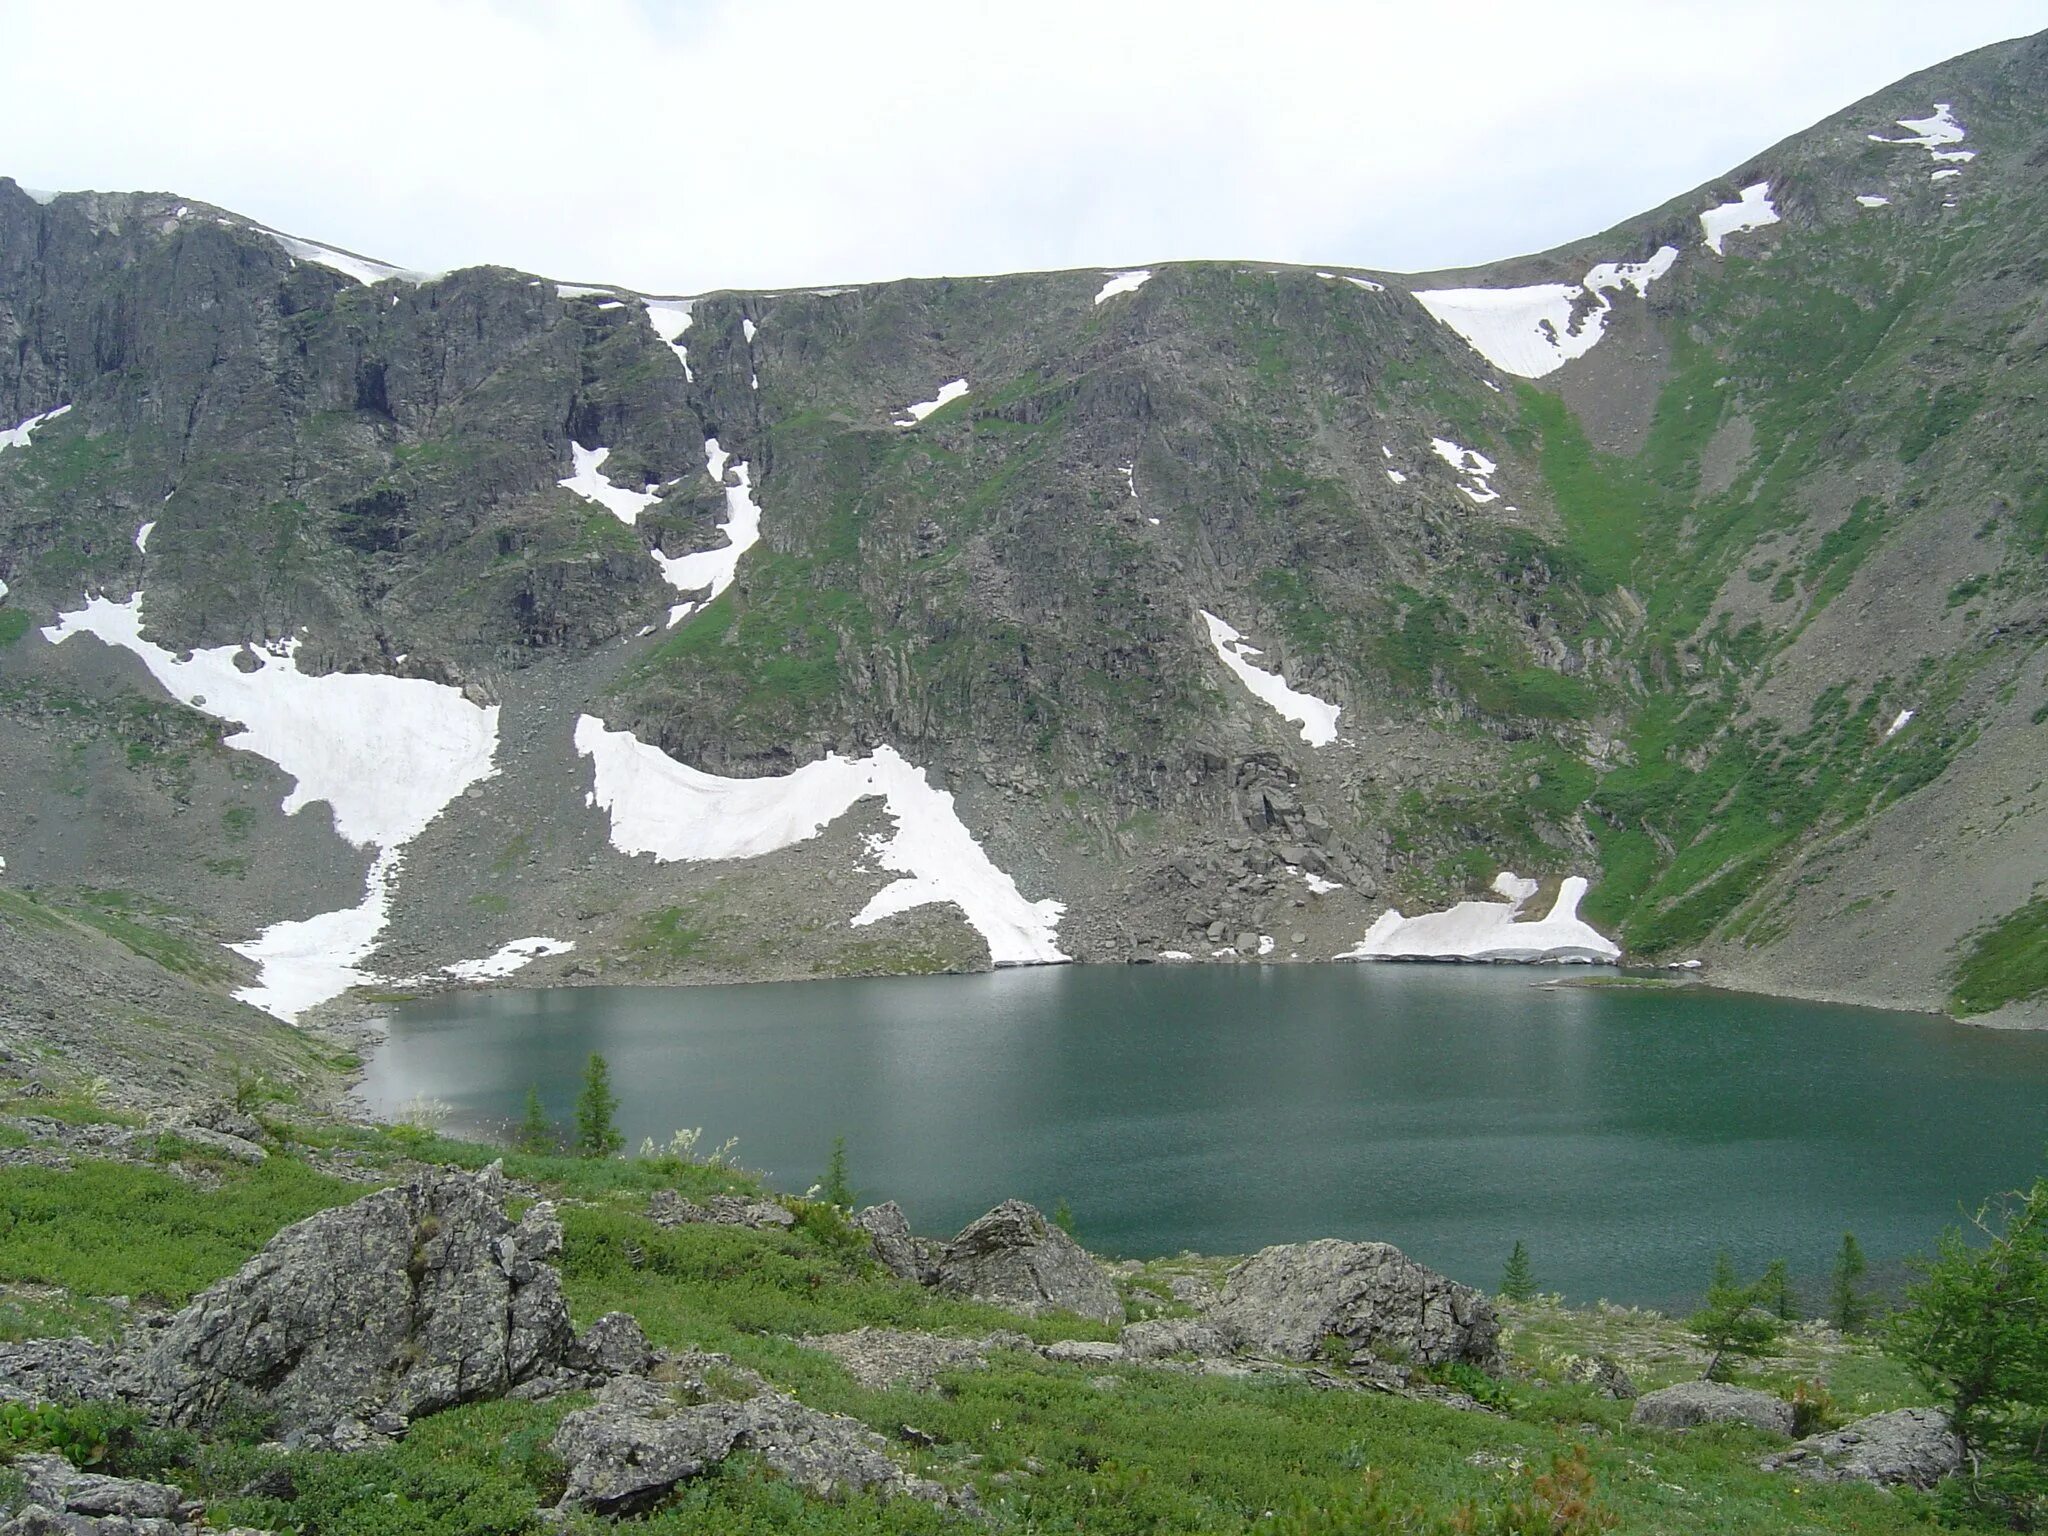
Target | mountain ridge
(1676,613)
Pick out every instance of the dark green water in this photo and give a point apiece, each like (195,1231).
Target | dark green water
(1624,1135)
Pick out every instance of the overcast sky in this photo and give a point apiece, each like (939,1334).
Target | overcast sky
(681,147)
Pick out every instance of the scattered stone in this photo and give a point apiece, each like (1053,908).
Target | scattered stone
(1604,1376)
(666,1208)
(1691,1403)
(904,1256)
(880,1358)
(234,1148)
(1286,1301)
(1013,1257)
(641,1438)
(1908,1445)
(1162,1338)
(1192,1290)
(357,1319)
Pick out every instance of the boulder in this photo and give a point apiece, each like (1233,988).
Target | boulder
(666,1208)
(411,1299)
(1015,1258)
(56,1370)
(1287,1301)
(1690,1403)
(56,1485)
(641,1438)
(1165,1337)
(614,1345)
(1908,1445)
(904,1256)
(1604,1376)
(1084,1352)
(880,1358)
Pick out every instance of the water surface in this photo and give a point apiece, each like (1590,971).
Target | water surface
(1625,1135)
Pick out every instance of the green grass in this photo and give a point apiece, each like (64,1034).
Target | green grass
(14,623)
(2006,963)
(111,1229)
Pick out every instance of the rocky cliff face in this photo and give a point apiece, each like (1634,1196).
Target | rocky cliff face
(1223,607)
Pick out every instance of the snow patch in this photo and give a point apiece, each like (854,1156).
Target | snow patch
(1752,210)
(747,329)
(1535,330)
(1871,200)
(588,481)
(675,812)
(711,571)
(1316,717)
(17,437)
(1944,175)
(1267,944)
(1475,467)
(142,535)
(507,959)
(1928,132)
(1492,930)
(1367,284)
(1318,886)
(387,754)
(1124,282)
(1899,723)
(670,318)
(1175,955)
(948,393)
(361,269)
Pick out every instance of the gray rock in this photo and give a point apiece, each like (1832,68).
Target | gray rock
(1602,1374)
(668,1209)
(57,1485)
(614,1345)
(640,1439)
(1690,1403)
(56,1370)
(234,1148)
(880,1358)
(904,1256)
(1908,1445)
(1015,1258)
(1084,1351)
(409,1300)
(1287,1301)
(1161,1338)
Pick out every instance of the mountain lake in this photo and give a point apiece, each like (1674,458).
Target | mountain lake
(1625,1134)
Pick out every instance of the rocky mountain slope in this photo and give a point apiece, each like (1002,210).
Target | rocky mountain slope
(1183,612)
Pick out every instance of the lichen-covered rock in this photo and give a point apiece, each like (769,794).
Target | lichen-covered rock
(56,1370)
(641,1438)
(904,1256)
(1084,1352)
(614,1345)
(1690,1403)
(1604,1376)
(55,1484)
(1015,1258)
(1286,1301)
(1164,1337)
(668,1209)
(1908,1445)
(409,1300)
(880,1358)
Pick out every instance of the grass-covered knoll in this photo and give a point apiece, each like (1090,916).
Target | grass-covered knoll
(1118,1449)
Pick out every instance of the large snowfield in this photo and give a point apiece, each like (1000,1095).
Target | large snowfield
(1492,930)
(387,755)
(1535,330)
(675,812)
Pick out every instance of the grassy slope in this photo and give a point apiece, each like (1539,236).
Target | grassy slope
(1049,1447)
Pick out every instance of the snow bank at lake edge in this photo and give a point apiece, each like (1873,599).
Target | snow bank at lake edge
(659,806)
(1492,931)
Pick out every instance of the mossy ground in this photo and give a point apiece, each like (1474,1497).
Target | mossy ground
(1046,1446)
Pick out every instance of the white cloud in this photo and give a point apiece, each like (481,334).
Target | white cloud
(679,148)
